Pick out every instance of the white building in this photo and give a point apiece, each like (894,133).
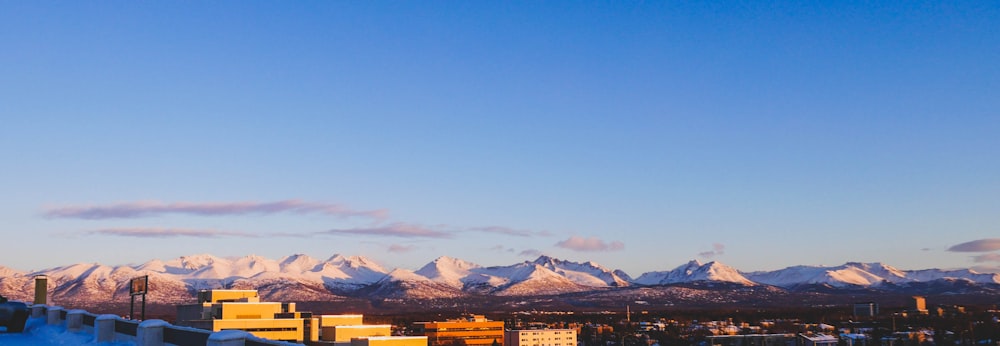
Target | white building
(540,337)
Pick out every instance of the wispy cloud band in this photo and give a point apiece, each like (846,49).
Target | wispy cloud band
(170,233)
(510,231)
(576,243)
(981,245)
(990,257)
(155,208)
(399,229)
(397,248)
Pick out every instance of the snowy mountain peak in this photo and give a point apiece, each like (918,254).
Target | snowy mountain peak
(587,274)
(448,277)
(445,261)
(528,278)
(195,262)
(695,271)
(356,262)
(447,270)
(297,258)
(863,275)
(297,263)
(545,259)
(4,271)
(716,271)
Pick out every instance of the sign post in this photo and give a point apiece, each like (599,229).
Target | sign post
(138,286)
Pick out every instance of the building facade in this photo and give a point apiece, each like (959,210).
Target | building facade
(390,341)
(219,310)
(471,330)
(919,305)
(540,337)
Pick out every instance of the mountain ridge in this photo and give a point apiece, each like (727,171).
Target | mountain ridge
(303,277)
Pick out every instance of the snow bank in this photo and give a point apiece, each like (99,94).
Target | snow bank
(37,332)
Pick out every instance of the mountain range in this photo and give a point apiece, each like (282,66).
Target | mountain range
(303,278)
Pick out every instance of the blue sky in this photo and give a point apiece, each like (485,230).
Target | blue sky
(639,135)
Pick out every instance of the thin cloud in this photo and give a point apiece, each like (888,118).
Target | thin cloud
(530,253)
(290,235)
(401,230)
(718,249)
(990,257)
(169,233)
(510,231)
(981,245)
(140,209)
(501,248)
(590,244)
(396,248)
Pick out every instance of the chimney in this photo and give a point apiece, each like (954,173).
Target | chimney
(41,289)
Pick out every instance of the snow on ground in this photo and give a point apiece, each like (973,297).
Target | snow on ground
(37,332)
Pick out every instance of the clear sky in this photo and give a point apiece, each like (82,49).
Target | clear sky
(639,135)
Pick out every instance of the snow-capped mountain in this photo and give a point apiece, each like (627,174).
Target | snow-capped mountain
(587,273)
(402,283)
(176,280)
(530,278)
(4,272)
(926,275)
(863,275)
(695,271)
(449,271)
(303,278)
(545,275)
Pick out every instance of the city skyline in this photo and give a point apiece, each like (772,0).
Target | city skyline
(636,135)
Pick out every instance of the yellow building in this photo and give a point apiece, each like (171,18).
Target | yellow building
(341,320)
(344,334)
(919,305)
(220,296)
(390,341)
(471,330)
(349,330)
(219,310)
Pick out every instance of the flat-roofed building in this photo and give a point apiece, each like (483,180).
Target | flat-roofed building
(219,310)
(471,330)
(220,296)
(390,341)
(540,337)
(341,320)
(344,334)
(348,330)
